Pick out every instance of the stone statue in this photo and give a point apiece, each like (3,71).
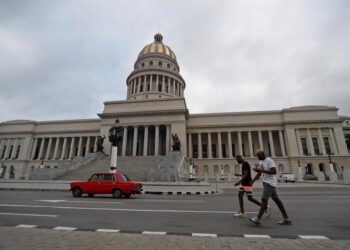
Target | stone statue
(115,134)
(176,142)
(99,143)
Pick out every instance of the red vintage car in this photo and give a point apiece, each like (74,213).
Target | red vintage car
(117,184)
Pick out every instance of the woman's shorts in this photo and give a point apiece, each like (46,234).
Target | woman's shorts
(246,189)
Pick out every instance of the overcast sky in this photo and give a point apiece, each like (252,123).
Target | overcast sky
(63,59)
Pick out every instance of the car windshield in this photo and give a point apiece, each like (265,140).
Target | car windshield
(124,177)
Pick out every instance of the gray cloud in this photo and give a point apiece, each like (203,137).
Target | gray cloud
(62,59)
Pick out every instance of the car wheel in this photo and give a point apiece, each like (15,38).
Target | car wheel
(91,194)
(127,195)
(77,192)
(117,193)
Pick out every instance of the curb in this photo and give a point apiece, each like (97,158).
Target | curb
(143,192)
(211,235)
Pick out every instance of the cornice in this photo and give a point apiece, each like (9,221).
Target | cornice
(230,125)
(144,113)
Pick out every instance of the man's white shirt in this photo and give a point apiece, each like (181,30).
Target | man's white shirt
(267,164)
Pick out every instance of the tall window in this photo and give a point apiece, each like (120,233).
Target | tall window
(3,152)
(316,148)
(159,87)
(327,146)
(195,151)
(304,146)
(141,88)
(223,146)
(10,153)
(17,151)
(213,150)
(205,151)
(243,150)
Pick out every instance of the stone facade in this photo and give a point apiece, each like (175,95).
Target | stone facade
(155,108)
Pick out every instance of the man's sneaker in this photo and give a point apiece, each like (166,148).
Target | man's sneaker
(239,215)
(268,211)
(255,220)
(285,222)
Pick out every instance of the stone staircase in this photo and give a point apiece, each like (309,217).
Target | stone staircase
(136,168)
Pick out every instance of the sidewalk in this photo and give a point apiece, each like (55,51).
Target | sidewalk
(36,238)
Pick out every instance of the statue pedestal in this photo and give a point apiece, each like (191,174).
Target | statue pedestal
(321,177)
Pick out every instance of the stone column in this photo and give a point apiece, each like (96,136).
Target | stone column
(174,87)
(219,145)
(139,85)
(240,149)
(64,148)
(87,150)
(297,135)
(250,142)
(229,141)
(80,143)
(125,137)
(151,83)
(321,142)
(95,144)
(261,144)
(71,151)
(210,155)
(272,145)
(13,153)
(41,150)
(156,141)
(56,148)
(167,139)
(200,156)
(34,148)
(134,144)
(157,84)
(145,141)
(283,149)
(163,84)
(311,145)
(332,142)
(189,145)
(48,149)
(340,140)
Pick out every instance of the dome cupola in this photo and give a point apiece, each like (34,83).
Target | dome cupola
(156,73)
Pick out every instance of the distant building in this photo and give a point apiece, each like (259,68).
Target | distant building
(155,108)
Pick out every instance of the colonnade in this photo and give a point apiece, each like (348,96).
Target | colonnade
(155,83)
(62,148)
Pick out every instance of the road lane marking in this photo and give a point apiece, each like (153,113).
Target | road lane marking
(204,235)
(257,236)
(65,228)
(108,230)
(189,201)
(69,201)
(313,237)
(154,233)
(120,209)
(36,215)
(53,201)
(26,226)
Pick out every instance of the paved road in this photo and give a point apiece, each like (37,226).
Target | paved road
(322,211)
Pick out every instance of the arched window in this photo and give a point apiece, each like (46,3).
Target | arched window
(160,64)
(151,63)
(12,172)
(226,168)
(237,169)
(216,169)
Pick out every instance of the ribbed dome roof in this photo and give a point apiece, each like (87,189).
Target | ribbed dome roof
(157,48)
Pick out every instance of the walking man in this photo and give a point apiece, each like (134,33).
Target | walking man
(267,171)
(245,186)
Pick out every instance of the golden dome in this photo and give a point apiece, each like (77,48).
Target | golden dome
(157,48)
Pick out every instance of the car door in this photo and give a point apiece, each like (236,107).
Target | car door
(93,185)
(107,183)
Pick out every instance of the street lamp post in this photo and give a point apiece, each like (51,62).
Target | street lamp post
(331,167)
(114,136)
